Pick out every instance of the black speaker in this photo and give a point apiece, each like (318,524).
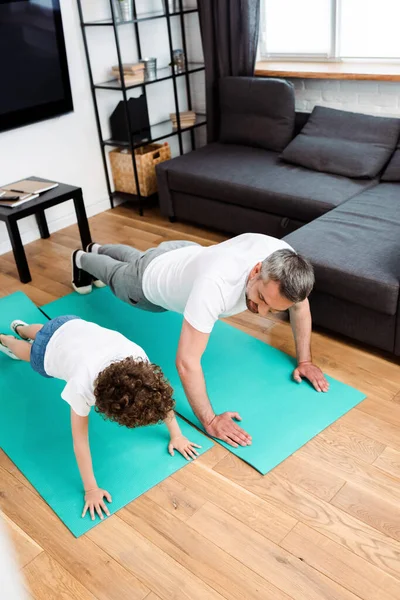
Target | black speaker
(139,118)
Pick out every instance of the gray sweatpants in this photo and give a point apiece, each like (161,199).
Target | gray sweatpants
(122,268)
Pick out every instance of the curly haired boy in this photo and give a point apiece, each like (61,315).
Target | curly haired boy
(104,370)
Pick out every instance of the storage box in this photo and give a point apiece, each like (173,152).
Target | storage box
(146,159)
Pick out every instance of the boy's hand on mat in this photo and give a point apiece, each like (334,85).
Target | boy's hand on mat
(224,428)
(314,375)
(184,446)
(94,501)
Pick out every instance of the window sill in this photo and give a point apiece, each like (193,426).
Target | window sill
(324,70)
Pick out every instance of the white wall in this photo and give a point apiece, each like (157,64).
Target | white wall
(370,97)
(66,148)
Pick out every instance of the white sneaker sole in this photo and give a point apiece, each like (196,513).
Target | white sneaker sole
(14,328)
(86,289)
(99,284)
(8,352)
(83,291)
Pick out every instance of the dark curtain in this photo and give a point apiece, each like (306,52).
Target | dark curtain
(229,31)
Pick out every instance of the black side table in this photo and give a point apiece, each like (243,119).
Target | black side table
(36,207)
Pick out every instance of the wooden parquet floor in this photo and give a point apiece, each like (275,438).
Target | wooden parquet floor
(324,525)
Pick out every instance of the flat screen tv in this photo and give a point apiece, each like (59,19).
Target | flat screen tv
(34,71)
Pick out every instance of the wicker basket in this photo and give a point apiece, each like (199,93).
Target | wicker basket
(146,158)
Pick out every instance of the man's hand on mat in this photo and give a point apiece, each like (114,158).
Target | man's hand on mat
(314,375)
(94,502)
(224,428)
(184,446)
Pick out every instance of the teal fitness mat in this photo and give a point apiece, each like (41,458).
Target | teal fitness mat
(242,374)
(35,433)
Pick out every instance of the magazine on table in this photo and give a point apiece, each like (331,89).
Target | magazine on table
(30,186)
(19,192)
(14,199)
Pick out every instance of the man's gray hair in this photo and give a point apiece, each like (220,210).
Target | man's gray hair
(294,273)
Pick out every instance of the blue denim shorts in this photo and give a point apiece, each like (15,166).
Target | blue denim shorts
(43,337)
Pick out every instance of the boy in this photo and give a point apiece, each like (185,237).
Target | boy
(104,369)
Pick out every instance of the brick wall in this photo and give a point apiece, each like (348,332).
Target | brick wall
(370,97)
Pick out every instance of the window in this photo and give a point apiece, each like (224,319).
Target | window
(330,29)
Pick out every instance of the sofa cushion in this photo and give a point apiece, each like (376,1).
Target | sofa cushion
(257,179)
(344,143)
(257,112)
(355,249)
(392,171)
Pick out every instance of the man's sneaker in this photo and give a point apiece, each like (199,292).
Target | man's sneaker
(81,280)
(15,325)
(6,350)
(89,247)
(96,282)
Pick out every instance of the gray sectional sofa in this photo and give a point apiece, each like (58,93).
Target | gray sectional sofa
(329,184)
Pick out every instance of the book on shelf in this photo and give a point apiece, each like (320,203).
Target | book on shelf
(129,68)
(187,114)
(133,72)
(130,79)
(184,123)
(187,119)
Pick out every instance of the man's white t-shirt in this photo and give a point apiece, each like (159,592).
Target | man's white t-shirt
(205,284)
(78,351)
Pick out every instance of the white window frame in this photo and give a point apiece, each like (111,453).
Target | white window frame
(334,51)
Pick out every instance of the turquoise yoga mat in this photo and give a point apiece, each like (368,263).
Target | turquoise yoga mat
(242,374)
(35,433)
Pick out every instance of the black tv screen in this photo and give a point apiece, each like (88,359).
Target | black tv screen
(34,71)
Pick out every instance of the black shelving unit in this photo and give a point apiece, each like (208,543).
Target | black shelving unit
(158,131)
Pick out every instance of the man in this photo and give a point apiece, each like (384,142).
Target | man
(252,271)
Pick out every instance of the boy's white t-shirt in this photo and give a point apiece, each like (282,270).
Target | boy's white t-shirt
(205,284)
(78,351)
